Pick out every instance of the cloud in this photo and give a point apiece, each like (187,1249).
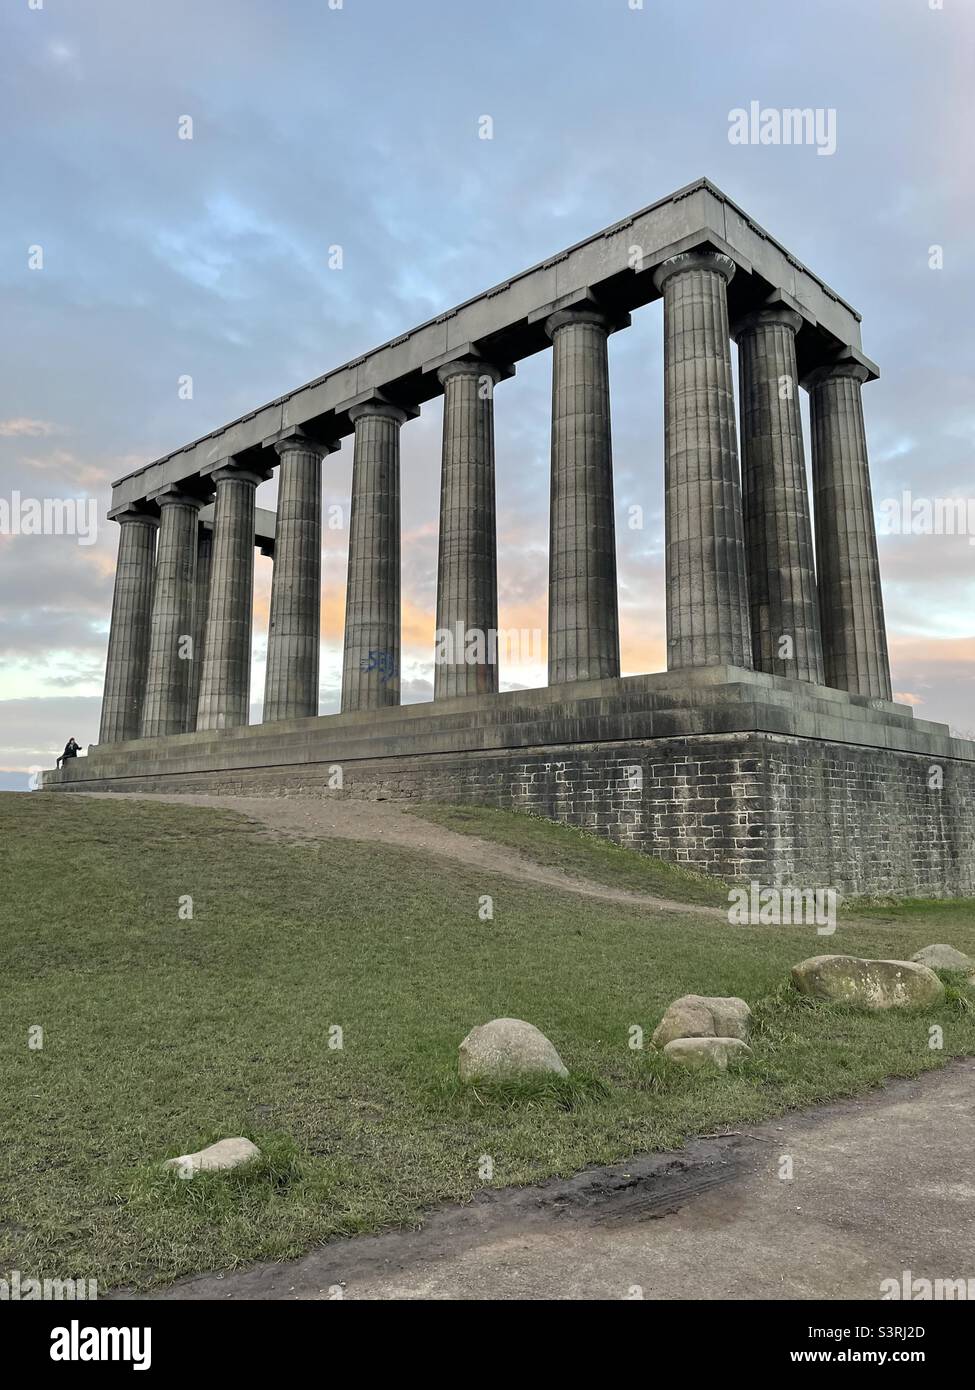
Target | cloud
(22,428)
(70,468)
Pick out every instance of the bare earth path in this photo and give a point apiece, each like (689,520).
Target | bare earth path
(880,1185)
(387,822)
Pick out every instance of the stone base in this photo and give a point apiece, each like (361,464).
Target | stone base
(729,771)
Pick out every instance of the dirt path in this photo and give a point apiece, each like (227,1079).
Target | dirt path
(879,1185)
(389,823)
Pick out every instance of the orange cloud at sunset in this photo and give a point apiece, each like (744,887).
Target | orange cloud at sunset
(932,650)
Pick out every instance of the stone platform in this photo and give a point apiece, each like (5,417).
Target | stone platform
(736,772)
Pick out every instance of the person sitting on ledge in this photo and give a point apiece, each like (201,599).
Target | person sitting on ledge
(70,751)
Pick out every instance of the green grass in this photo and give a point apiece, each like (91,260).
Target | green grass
(162,1035)
(579,854)
(933,914)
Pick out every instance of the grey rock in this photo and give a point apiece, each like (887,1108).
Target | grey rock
(732,1016)
(873,984)
(943,958)
(706,1052)
(703,1016)
(507,1047)
(225,1153)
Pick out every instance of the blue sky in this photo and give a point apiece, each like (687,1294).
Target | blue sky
(357,126)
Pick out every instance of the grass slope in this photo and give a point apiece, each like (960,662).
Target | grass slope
(162,1034)
(578,853)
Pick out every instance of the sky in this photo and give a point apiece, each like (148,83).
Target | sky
(132,258)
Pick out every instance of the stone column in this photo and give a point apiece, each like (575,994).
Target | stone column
(370,672)
(204,558)
(225,682)
(778,529)
(128,636)
(166,709)
(583,623)
(294,630)
(707,594)
(467,570)
(851,604)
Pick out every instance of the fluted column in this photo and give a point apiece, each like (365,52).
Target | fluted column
(294,630)
(204,559)
(707,595)
(166,709)
(225,682)
(371,659)
(778,528)
(128,636)
(851,604)
(583,622)
(467,569)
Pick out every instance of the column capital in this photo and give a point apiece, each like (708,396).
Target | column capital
(243,473)
(562,318)
(694,260)
(846,361)
(471,356)
(766,317)
(472,366)
(173,496)
(374,401)
(376,408)
(836,371)
(584,301)
(134,511)
(302,444)
(296,438)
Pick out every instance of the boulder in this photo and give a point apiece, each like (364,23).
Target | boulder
(872,984)
(703,1016)
(706,1052)
(732,1016)
(507,1047)
(226,1153)
(943,958)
